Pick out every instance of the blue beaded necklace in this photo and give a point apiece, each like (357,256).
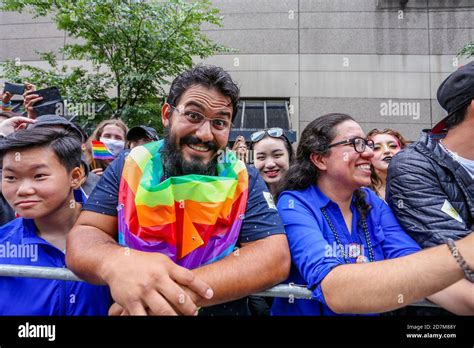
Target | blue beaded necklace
(338,240)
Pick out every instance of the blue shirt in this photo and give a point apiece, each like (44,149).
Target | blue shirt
(314,249)
(20,245)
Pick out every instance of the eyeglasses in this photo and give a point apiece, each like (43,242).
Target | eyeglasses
(359,144)
(198,119)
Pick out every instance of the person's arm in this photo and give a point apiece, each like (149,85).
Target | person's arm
(263,259)
(254,267)
(457,298)
(140,282)
(391,284)
(9,125)
(371,287)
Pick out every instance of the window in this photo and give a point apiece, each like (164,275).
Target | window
(256,114)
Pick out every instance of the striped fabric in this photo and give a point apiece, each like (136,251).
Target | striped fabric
(193,219)
(100,151)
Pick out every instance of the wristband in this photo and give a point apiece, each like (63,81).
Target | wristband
(460,260)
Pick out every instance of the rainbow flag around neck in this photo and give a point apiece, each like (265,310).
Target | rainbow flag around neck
(100,151)
(193,219)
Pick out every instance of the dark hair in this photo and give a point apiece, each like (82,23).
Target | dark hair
(457,117)
(289,148)
(206,75)
(402,142)
(64,143)
(316,138)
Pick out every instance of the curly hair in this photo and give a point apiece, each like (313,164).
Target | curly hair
(402,142)
(316,138)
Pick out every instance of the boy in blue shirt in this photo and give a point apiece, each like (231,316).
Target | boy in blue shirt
(41,168)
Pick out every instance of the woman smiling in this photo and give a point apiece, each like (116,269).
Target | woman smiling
(345,242)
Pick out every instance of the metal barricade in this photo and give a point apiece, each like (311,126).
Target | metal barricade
(283,290)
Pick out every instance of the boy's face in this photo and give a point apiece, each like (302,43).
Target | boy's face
(35,183)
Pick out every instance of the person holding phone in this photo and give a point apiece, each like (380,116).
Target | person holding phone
(41,102)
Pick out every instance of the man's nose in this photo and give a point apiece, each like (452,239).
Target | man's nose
(204,132)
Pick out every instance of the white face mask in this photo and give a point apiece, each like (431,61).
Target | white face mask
(114,146)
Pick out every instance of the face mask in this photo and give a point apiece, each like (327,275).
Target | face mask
(114,146)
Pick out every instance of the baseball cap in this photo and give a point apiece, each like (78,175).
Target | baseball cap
(141,131)
(455,92)
(56,120)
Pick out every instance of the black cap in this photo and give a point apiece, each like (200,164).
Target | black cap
(141,131)
(456,91)
(55,120)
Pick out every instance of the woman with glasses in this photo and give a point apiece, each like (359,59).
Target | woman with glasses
(346,245)
(387,143)
(272,155)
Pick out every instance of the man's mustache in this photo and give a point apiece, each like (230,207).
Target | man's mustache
(192,140)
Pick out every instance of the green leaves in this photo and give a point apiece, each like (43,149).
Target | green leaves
(142,44)
(467,51)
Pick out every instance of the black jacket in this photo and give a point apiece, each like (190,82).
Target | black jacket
(421,180)
(7,214)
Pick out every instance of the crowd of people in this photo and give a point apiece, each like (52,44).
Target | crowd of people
(367,222)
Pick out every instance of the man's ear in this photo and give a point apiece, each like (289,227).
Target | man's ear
(319,161)
(166,114)
(77,177)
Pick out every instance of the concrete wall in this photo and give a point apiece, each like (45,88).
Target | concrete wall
(353,56)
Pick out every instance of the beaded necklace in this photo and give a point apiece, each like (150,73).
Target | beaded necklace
(338,240)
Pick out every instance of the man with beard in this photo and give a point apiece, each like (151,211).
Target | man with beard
(194,228)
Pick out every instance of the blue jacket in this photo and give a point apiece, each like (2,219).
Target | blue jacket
(20,245)
(423,183)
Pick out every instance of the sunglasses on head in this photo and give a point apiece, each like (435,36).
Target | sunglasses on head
(273,132)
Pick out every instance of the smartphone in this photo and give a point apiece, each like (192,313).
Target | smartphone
(14,88)
(49,94)
(52,103)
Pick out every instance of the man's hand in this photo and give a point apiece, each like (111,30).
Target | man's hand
(15,123)
(150,283)
(98,171)
(29,99)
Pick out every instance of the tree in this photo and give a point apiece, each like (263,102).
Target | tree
(467,51)
(142,44)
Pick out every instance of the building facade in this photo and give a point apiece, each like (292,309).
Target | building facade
(381,61)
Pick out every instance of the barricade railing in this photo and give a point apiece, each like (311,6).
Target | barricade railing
(293,291)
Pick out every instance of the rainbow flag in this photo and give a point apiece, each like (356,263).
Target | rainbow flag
(193,219)
(100,151)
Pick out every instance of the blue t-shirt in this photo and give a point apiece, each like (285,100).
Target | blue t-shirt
(20,245)
(315,251)
(261,218)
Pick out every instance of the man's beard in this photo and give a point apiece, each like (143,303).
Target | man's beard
(176,165)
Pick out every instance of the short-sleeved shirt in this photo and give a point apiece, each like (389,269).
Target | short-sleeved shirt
(261,216)
(315,250)
(21,245)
